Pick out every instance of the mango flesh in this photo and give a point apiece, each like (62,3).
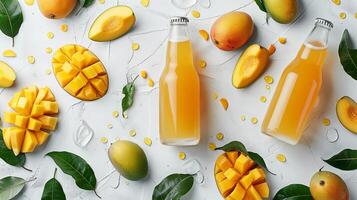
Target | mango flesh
(112,24)
(239,178)
(251,64)
(326,185)
(35,109)
(7,75)
(129,159)
(232,30)
(346,109)
(56,9)
(80,73)
(282,11)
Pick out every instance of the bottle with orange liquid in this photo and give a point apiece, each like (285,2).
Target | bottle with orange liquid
(298,89)
(179,90)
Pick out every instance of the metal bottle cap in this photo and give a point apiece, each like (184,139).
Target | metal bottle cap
(179,20)
(324,23)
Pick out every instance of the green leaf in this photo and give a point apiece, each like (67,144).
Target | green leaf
(233,146)
(8,156)
(128,99)
(88,3)
(259,160)
(348,56)
(53,190)
(345,160)
(294,192)
(10,18)
(82,4)
(11,186)
(76,167)
(173,187)
(261,5)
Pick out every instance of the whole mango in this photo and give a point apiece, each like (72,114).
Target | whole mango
(326,185)
(232,30)
(56,9)
(282,11)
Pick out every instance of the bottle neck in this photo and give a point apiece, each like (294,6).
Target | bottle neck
(318,37)
(178,33)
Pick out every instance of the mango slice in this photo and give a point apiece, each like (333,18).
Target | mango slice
(346,109)
(239,178)
(250,66)
(112,23)
(35,109)
(7,75)
(80,73)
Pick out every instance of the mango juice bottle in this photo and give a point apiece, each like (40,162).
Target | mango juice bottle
(297,92)
(179,90)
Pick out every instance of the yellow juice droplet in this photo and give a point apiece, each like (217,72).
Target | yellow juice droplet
(48,71)
(212,146)
(132,132)
(115,114)
(281,158)
(143,74)
(219,136)
(268,79)
(282,40)
(263,99)
(110,126)
(204,34)
(9,53)
(326,122)
(147,141)
(356,15)
(151,82)
(202,64)
(64,27)
(31,59)
(135,46)
(48,50)
(104,140)
(267,87)
(101,1)
(224,103)
(182,156)
(243,118)
(343,15)
(254,120)
(145,3)
(337,2)
(196,14)
(29,2)
(50,35)
(214,96)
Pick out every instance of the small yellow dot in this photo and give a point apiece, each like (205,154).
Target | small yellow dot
(204,34)
(356,15)
(224,103)
(202,64)
(214,96)
(337,2)
(50,35)
(268,79)
(115,114)
(148,141)
(143,74)
(326,122)
(263,99)
(29,2)
(267,87)
(281,158)
(110,126)
(196,14)
(48,50)
(243,118)
(282,40)
(101,1)
(9,53)
(151,82)
(132,132)
(220,136)
(104,140)
(182,156)
(254,120)
(48,71)
(212,146)
(135,46)
(31,59)
(343,15)
(64,27)
(145,3)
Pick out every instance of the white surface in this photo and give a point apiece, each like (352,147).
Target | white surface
(150,32)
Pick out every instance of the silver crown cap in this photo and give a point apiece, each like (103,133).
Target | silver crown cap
(324,22)
(179,20)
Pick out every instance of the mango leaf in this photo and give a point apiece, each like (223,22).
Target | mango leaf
(10,18)
(345,160)
(259,160)
(88,3)
(348,56)
(11,186)
(293,192)
(173,187)
(233,146)
(8,156)
(76,167)
(128,99)
(53,190)
(82,4)
(261,5)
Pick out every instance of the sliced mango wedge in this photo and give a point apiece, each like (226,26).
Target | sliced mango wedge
(80,72)
(112,23)
(346,109)
(7,75)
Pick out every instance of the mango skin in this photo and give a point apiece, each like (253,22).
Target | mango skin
(129,159)
(346,110)
(282,11)
(56,9)
(232,30)
(7,75)
(326,185)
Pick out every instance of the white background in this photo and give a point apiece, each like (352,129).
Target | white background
(150,31)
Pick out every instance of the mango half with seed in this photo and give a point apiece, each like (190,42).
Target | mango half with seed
(251,64)
(239,178)
(34,115)
(112,23)
(7,75)
(346,109)
(80,72)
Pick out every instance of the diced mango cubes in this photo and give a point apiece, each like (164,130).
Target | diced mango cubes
(80,72)
(35,111)
(239,178)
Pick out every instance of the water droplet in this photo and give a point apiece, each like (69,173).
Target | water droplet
(183,3)
(254,120)
(268,79)
(263,99)
(83,135)
(332,135)
(219,136)
(194,167)
(243,118)
(326,122)
(212,146)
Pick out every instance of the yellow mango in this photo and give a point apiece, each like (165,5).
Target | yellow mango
(69,50)
(251,64)
(41,136)
(252,194)
(6,134)
(23,106)
(99,85)
(88,92)
(90,72)
(232,156)
(57,67)
(78,60)
(262,189)
(49,107)
(243,163)
(99,68)
(48,122)
(346,109)
(30,142)
(112,23)
(238,192)
(34,124)
(37,110)
(7,75)
(14,100)
(71,70)
(21,121)
(42,92)
(9,117)
(59,57)
(223,163)
(226,186)
(49,95)
(259,175)
(89,58)
(247,180)
(63,78)
(76,84)
(220,176)
(17,138)
(232,174)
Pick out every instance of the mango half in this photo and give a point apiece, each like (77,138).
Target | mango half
(250,66)
(80,72)
(346,109)
(34,115)
(7,75)
(282,11)
(112,23)
(239,178)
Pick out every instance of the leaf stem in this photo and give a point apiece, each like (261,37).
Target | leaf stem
(54,173)
(95,192)
(13,41)
(23,167)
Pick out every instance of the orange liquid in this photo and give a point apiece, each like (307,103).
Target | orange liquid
(179,97)
(296,94)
